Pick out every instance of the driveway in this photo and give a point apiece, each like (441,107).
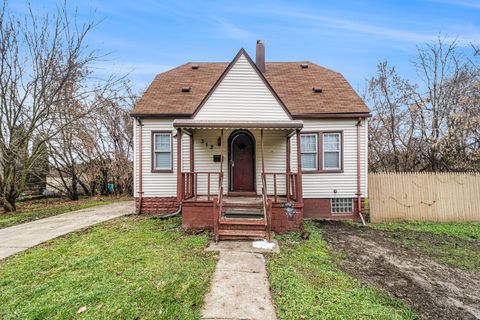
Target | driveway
(21,237)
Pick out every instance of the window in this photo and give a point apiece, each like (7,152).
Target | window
(162,148)
(342,205)
(308,149)
(331,151)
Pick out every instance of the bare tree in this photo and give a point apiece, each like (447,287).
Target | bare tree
(393,127)
(95,151)
(432,124)
(40,57)
(446,80)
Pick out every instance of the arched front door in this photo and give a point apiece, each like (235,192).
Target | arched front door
(242,161)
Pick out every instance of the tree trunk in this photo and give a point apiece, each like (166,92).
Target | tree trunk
(9,205)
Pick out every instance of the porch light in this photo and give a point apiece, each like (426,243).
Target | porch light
(219,141)
(289,210)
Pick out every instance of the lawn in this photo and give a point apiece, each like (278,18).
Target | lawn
(453,244)
(30,210)
(128,268)
(307,283)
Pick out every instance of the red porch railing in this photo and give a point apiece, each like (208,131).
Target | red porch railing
(292,192)
(190,184)
(217,207)
(267,208)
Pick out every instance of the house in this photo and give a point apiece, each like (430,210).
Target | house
(219,141)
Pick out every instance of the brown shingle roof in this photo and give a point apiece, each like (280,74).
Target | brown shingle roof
(292,84)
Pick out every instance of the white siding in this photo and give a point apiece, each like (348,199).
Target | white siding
(155,184)
(318,185)
(242,95)
(322,185)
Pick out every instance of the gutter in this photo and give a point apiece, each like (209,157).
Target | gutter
(140,182)
(359,191)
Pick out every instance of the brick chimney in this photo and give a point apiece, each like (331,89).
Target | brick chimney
(260,56)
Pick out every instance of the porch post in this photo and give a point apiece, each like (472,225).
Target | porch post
(299,165)
(288,154)
(289,169)
(179,166)
(220,179)
(192,167)
(262,149)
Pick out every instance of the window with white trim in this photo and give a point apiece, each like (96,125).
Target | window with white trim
(308,151)
(162,156)
(342,205)
(331,150)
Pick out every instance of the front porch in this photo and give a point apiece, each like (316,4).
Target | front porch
(237,178)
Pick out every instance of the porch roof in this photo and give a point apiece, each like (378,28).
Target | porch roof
(232,124)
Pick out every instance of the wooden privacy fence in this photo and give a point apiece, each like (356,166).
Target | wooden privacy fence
(424,196)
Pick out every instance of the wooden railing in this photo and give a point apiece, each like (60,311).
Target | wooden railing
(218,207)
(291,185)
(190,184)
(267,208)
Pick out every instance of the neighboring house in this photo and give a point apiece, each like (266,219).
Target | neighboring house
(220,140)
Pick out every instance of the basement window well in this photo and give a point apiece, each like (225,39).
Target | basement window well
(342,205)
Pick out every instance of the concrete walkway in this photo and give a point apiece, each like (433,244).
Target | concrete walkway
(21,237)
(240,288)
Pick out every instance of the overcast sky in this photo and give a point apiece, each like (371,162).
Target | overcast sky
(148,37)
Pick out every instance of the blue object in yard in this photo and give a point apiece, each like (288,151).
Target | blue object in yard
(111,187)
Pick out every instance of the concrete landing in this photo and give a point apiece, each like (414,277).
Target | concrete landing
(240,246)
(240,288)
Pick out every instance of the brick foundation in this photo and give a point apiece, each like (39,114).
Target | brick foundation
(157,205)
(320,208)
(280,222)
(199,215)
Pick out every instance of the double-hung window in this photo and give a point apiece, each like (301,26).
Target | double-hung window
(309,151)
(331,151)
(162,151)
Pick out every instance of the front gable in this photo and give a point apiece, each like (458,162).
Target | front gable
(242,93)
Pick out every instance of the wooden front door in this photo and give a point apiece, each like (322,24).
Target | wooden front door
(242,162)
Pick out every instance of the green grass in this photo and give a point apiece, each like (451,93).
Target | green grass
(306,283)
(31,210)
(464,230)
(450,253)
(453,244)
(128,268)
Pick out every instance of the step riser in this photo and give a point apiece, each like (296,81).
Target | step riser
(243,216)
(241,205)
(242,227)
(240,238)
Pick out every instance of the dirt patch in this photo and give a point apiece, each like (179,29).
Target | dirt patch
(433,290)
